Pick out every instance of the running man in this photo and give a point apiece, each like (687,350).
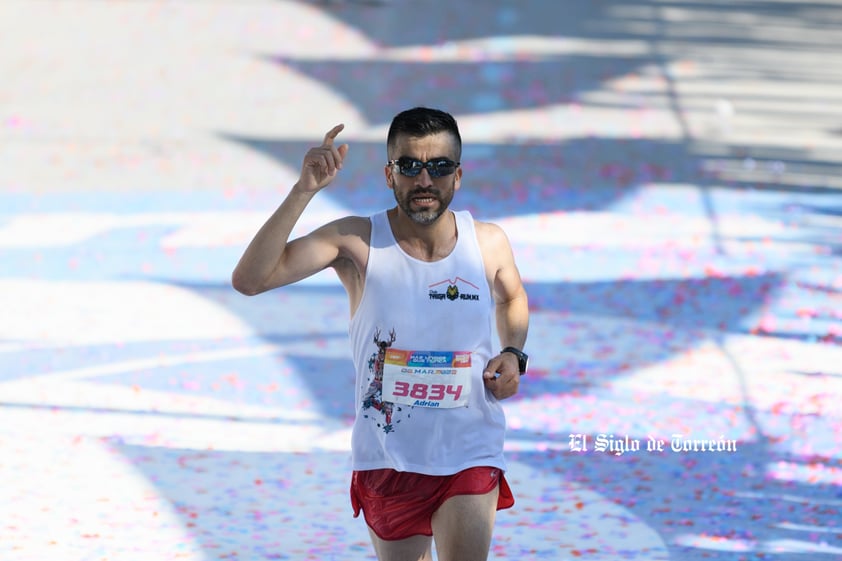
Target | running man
(426,286)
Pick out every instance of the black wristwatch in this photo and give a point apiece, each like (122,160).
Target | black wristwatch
(522,358)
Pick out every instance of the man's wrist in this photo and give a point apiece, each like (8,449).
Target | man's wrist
(522,358)
(301,190)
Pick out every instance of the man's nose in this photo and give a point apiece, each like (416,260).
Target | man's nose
(424,179)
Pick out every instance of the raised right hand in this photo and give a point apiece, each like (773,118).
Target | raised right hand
(322,163)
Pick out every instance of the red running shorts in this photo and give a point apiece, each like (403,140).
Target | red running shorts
(398,505)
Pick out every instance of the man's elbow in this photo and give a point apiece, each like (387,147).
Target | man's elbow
(245,285)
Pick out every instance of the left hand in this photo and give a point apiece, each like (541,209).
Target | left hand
(507,383)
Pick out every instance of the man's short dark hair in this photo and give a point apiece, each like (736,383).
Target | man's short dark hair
(420,122)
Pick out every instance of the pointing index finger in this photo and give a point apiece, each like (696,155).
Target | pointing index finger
(331,134)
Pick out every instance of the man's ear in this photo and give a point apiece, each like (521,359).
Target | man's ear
(387,171)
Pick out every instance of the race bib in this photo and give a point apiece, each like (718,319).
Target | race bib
(427,378)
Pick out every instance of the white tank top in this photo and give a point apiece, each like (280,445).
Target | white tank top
(420,338)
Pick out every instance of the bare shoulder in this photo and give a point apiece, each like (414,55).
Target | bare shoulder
(345,231)
(491,237)
(348,226)
(495,249)
(500,268)
(351,235)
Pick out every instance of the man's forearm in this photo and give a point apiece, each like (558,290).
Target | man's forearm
(263,254)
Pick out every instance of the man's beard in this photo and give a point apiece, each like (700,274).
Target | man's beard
(427,216)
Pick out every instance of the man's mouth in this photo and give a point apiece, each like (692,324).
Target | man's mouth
(424,198)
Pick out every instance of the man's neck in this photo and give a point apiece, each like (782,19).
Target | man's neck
(426,242)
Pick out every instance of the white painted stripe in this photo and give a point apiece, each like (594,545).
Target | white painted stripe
(159,361)
(588,229)
(59,313)
(236,228)
(722,543)
(190,229)
(500,48)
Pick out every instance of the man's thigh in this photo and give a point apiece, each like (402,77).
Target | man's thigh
(463,527)
(414,548)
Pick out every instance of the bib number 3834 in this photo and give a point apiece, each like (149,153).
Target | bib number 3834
(427,378)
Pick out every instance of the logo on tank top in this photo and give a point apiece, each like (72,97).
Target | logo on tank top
(454,289)
(373,398)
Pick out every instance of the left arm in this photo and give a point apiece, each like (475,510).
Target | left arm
(502,375)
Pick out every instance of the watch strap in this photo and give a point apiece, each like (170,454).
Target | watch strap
(522,358)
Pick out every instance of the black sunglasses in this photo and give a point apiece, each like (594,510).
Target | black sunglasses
(411,167)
